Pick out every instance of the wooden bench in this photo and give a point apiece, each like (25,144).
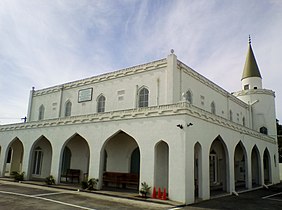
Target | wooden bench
(72,174)
(119,178)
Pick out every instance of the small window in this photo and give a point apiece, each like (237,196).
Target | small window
(144,97)
(41,112)
(263,130)
(274,160)
(255,87)
(68,109)
(213,108)
(246,87)
(101,104)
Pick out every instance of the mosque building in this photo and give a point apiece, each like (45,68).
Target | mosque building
(161,123)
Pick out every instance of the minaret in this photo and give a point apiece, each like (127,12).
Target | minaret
(251,78)
(261,115)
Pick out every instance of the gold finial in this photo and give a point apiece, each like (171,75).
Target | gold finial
(250,41)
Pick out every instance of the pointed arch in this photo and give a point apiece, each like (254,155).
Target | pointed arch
(256,167)
(161,178)
(79,149)
(14,157)
(240,167)
(68,106)
(40,158)
(101,102)
(143,97)
(41,112)
(120,154)
(267,166)
(219,166)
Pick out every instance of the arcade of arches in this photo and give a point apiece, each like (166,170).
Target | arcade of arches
(121,153)
(219,178)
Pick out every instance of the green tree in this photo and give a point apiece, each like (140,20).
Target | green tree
(279,137)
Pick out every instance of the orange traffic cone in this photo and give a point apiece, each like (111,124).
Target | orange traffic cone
(159,193)
(164,195)
(154,193)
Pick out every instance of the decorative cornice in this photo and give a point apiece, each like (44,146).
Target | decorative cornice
(254,91)
(210,84)
(104,77)
(181,108)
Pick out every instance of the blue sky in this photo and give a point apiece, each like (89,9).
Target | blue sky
(45,43)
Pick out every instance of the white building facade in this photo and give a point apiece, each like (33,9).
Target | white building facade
(161,120)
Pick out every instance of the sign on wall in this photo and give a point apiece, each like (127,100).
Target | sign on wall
(85,95)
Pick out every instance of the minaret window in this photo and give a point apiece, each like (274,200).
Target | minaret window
(246,87)
(41,112)
(101,104)
(263,130)
(143,97)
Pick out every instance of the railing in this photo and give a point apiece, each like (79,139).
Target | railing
(181,108)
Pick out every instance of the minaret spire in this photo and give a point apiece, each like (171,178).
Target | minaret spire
(251,68)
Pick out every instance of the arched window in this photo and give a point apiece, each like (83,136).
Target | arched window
(41,112)
(244,121)
(230,115)
(68,109)
(189,96)
(143,97)
(213,108)
(263,130)
(101,104)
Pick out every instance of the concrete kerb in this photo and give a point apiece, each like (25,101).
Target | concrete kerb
(102,193)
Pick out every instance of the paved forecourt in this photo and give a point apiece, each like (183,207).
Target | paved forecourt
(263,198)
(23,196)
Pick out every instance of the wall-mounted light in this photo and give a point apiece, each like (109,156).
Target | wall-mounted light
(190,124)
(180,126)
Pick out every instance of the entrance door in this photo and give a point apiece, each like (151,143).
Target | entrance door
(213,168)
(38,156)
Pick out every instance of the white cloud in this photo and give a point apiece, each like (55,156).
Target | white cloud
(75,39)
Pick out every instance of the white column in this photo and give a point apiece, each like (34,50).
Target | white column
(4,149)
(147,163)
(231,178)
(249,169)
(205,173)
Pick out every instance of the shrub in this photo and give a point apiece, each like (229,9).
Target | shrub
(18,176)
(50,180)
(91,184)
(145,189)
